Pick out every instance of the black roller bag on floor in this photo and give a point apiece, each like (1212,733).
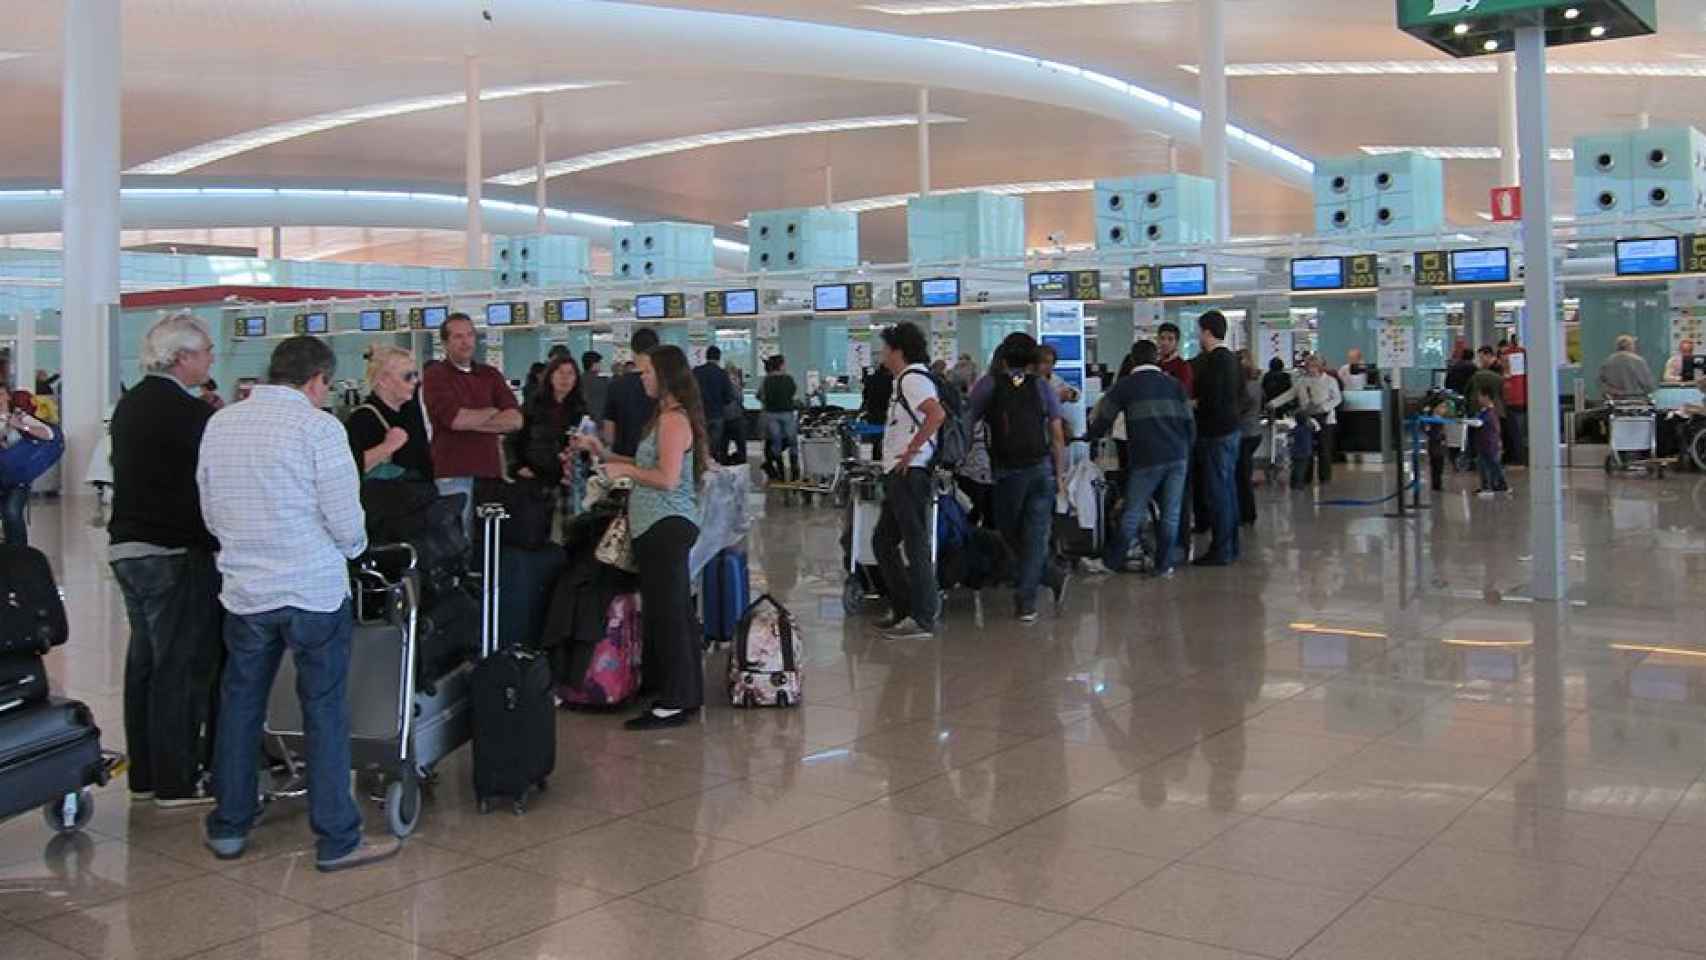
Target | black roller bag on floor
(47,750)
(515,717)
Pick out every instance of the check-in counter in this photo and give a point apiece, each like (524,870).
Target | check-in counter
(1359,422)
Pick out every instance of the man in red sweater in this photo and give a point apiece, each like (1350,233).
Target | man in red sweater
(469,406)
(1175,366)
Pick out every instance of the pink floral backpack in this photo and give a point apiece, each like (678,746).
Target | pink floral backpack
(764,663)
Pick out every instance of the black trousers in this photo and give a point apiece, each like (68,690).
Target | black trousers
(910,578)
(732,448)
(672,662)
(1245,476)
(982,497)
(171,669)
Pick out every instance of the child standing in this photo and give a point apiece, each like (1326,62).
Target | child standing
(1489,448)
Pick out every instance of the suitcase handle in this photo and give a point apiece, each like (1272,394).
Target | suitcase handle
(493,514)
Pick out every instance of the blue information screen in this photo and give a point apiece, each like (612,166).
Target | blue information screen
(254,326)
(829,296)
(499,314)
(371,320)
(433,317)
(740,303)
(1068,349)
(1318,273)
(941,292)
(649,306)
(576,310)
(1650,255)
(1190,280)
(1489,265)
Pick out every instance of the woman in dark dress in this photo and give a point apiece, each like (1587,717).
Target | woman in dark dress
(552,412)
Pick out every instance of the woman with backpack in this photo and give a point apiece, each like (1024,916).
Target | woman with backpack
(1027,448)
(663,523)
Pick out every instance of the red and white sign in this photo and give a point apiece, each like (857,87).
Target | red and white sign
(1507,204)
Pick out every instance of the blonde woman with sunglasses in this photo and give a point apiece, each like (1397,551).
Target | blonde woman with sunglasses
(388,433)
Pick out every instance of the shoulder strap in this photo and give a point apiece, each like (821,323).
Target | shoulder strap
(384,424)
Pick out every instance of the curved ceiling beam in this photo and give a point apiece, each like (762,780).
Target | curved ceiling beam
(618,38)
(186,208)
(203,154)
(716,138)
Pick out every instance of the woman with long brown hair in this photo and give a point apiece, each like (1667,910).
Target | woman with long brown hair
(663,520)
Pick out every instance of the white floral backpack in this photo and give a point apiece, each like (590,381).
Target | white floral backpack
(764,664)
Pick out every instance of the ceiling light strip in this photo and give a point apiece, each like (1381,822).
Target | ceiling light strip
(206,153)
(894,200)
(1564,154)
(1470,67)
(658,148)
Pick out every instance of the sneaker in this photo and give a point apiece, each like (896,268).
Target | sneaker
(1094,567)
(1027,616)
(890,622)
(1486,494)
(224,848)
(199,798)
(909,629)
(1166,573)
(366,852)
(141,796)
(1059,591)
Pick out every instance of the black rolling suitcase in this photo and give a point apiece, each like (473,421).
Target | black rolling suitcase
(49,752)
(515,717)
(32,614)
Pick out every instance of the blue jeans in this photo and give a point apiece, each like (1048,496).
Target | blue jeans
(1492,471)
(782,435)
(13,527)
(320,645)
(1164,482)
(1024,508)
(450,486)
(1220,491)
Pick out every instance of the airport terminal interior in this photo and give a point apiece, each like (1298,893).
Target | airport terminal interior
(1447,701)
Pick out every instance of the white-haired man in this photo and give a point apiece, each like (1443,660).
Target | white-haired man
(162,557)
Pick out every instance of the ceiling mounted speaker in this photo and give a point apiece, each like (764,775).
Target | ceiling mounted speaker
(648,268)
(503,253)
(1657,158)
(1340,218)
(1153,231)
(526,277)
(503,279)
(1658,197)
(624,244)
(1117,234)
(792,229)
(1384,215)
(1115,201)
(791,256)
(1605,163)
(648,241)
(764,231)
(764,258)
(1607,200)
(626,268)
(524,253)
(1152,199)
(1383,180)
(1341,183)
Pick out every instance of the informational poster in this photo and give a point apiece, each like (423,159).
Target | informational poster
(859,356)
(1146,315)
(767,328)
(696,353)
(1397,346)
(1396,303)
(1271,344)
(698,328)
(1687,292)
(948,322)
(621,331)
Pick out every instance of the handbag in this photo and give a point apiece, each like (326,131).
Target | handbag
(616,548)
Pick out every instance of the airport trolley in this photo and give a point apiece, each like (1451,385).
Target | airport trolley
(1634,433)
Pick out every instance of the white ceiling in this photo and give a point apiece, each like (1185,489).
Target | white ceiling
(200,70)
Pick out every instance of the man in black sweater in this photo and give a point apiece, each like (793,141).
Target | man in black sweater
(1219,383)
(162,557)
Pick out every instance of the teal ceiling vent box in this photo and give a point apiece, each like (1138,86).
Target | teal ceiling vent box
(662,251)
(964,226)
(1164,209)
(802,238)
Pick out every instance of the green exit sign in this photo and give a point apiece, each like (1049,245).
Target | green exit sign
(1472,28)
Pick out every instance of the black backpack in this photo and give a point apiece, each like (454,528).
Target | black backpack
(952,440)
(1018,423)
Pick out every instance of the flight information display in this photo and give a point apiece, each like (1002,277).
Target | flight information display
(649,306)
(315,323)
(940,292)
(1483,265)
(1051,285)
(829,296)
(500,314)
(1190,280)
(372,320)
(1318,273)
(251,326)
(572,310)
(1649,255)
(731,303)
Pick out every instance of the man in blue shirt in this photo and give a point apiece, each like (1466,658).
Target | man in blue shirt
(1160,432)
(1027,449)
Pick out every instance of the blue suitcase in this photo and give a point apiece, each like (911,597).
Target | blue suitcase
(727,594)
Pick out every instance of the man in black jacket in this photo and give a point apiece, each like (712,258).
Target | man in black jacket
(716,392)
(1219,382)
(162,557)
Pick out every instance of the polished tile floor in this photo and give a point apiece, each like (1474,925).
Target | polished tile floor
(1363,742)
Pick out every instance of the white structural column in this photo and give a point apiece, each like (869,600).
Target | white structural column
(1546,501)
(471,130)
(539,162)
(1508,147)
(24,355)
(1211,82)
(829,184)
(89,172)
(923,141)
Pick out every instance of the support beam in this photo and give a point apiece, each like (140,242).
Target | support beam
(24,354)
(829,184)
(1545,340)
(1211,81)
(923,141)
(89,172)
(1508,147)
(539,162)
(473,257)
(278,243)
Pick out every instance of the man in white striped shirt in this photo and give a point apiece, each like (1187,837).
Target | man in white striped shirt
(279,490)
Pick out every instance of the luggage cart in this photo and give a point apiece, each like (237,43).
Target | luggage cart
(399,729)
(824,446)
(1274,453)
(1633,425)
